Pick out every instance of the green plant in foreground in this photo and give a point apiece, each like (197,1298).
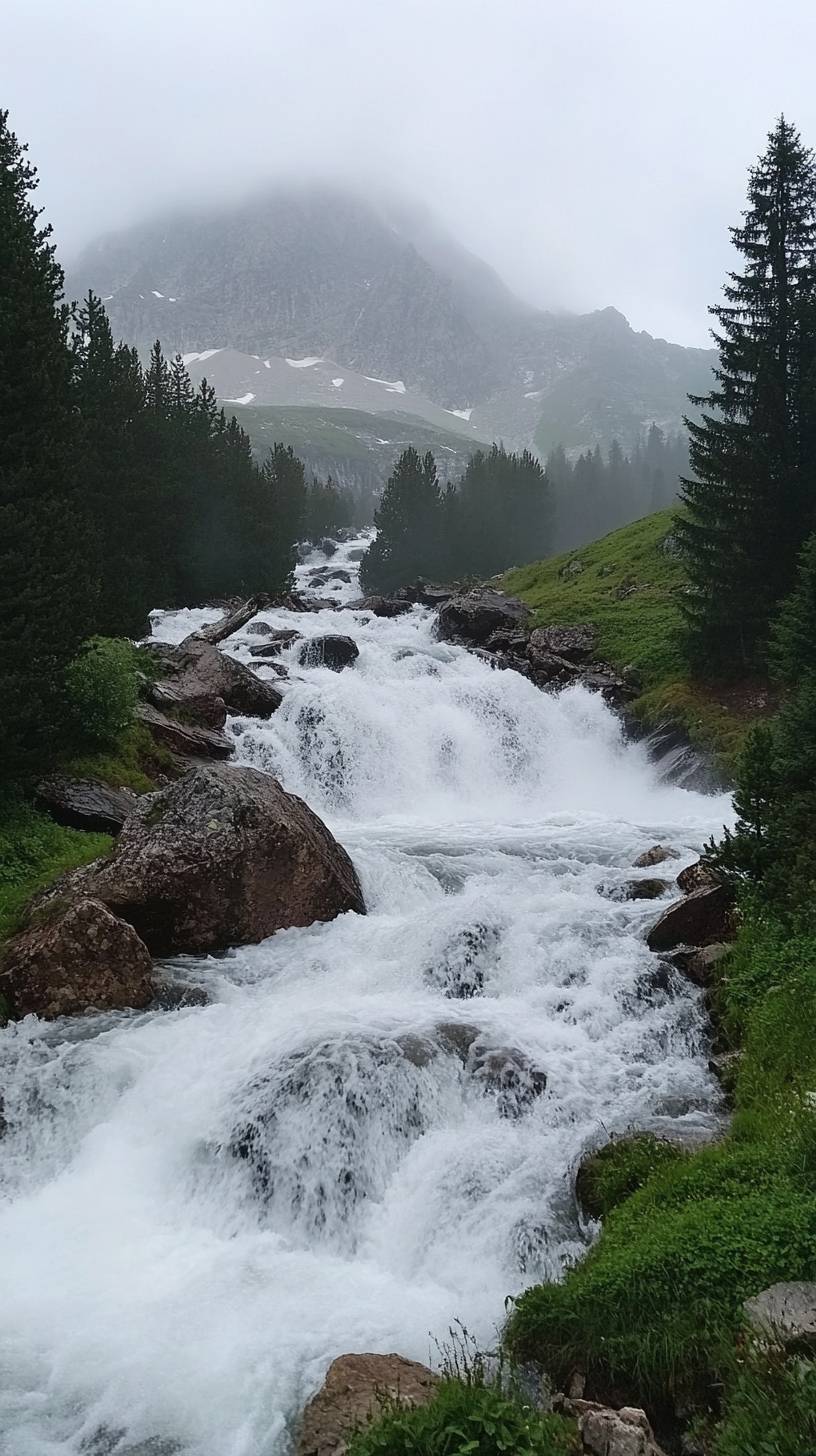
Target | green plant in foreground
(771,1409)
(609,1175)
(33,851)
(466,1419)
(102,689)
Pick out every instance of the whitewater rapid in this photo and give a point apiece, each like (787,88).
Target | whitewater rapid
(201,1207)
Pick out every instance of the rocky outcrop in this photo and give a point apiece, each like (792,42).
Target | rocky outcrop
(79,957)
(785,1315)
(274,644)
(576,644)
(381,606)
(85,803)
(184,739)
(197,675)
(355,1390)
(472,617)
(335,652)
(605,1431)
(697,876)
(699,966)
(702,918)
(221,857)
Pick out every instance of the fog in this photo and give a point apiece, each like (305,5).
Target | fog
(595,152)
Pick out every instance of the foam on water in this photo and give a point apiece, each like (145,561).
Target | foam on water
(202,1207)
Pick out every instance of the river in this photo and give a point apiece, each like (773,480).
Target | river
(200,1207)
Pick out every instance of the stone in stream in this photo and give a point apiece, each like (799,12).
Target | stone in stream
(198,671)
(643,889)
(381,606)
(222,857)
(85,803)
(701,918)
(335,652)
(276,643)
(697,876)
(77,957)
(658,854)
(354,1391)
(474,615)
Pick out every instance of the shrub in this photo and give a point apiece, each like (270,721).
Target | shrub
(608,1176)
(466,1419)
(101,685)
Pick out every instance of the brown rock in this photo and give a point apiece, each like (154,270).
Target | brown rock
(697,876)
(201,669)
(575,643)
(658,854)
(700,965)
(221,857)
(81,957)
(85,803)
(608,1432)
(473,616)
(644,889)
(701,918)
(383,606)
(333,651)
(353,1392)
(184,738)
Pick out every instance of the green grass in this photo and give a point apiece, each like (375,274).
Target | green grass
(630,587)
(466,1418)
(620,1168)
(654,1312)
(33,851)
(134,763)
(352,434)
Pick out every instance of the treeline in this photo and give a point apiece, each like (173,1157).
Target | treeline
(121,488)
(593,495)
(497,514)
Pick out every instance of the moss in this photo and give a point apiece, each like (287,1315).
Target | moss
(33,852)
(466,1417)
(608,1176)
(630,586)
(135,762)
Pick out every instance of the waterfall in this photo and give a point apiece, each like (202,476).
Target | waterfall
(372,1128)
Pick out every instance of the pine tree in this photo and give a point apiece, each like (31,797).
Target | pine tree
(749,498)
(45,585)
(408,520)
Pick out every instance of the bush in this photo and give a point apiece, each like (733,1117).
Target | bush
(102,691)
(608,1176)
(466,1419)
(653,1309)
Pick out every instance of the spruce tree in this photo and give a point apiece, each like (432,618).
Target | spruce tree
(750,496)
(408,520)
(45,584)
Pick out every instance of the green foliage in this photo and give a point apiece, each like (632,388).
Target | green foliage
(609,1175)
(102,690)
(500,512)
(749,497)
(326,510)
(134,762)
(593,495)
(33,851)
(409,521)
(466,1419)
(771,1409)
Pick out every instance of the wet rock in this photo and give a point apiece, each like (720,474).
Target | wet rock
(259,629)
(459,971)
(697,876)
(357,553)
(613,688)
(175,995)
(658,854)
(644,889)
(700,964)
(337,574)
(85,803)
(353,1392)
(221,857)
(201,682)
(335,652)
(785,1315)
(327,546)
(702,918)
(473,616)
(577,644)
(425,594)
(383,606)
(276,643)
(79,957)
(548,670)
(184,738)
(508,1074)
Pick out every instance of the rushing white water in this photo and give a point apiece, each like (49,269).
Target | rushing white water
(201,1207)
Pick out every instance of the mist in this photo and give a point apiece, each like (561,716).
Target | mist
(593,154)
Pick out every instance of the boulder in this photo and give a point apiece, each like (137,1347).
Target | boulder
(700,964)
(473,616)
(575,643)
(276,643)
(644,889)
(425,594)
(258,629)
(183,738)
(201,669)
(548,669)
(608,1432)
(658,854)
(337,574)
(78,957)
(331,651)
(221,857)
(327,546)
(785,1314)
(85,803)
(353,1392)
(702,918)
(383,606)
(697,876)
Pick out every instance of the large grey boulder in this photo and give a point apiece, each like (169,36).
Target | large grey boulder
(785,1314)
(85,803)
(78,957)
(354,1391)
(222,857)
(702,918)
(331,651)
(474,615)
(577,644)
(202,683)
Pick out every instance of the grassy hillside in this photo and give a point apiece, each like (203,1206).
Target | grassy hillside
(629,585)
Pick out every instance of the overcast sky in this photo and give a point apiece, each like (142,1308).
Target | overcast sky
(594,151)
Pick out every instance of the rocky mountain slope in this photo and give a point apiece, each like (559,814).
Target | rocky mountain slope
(381,292)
